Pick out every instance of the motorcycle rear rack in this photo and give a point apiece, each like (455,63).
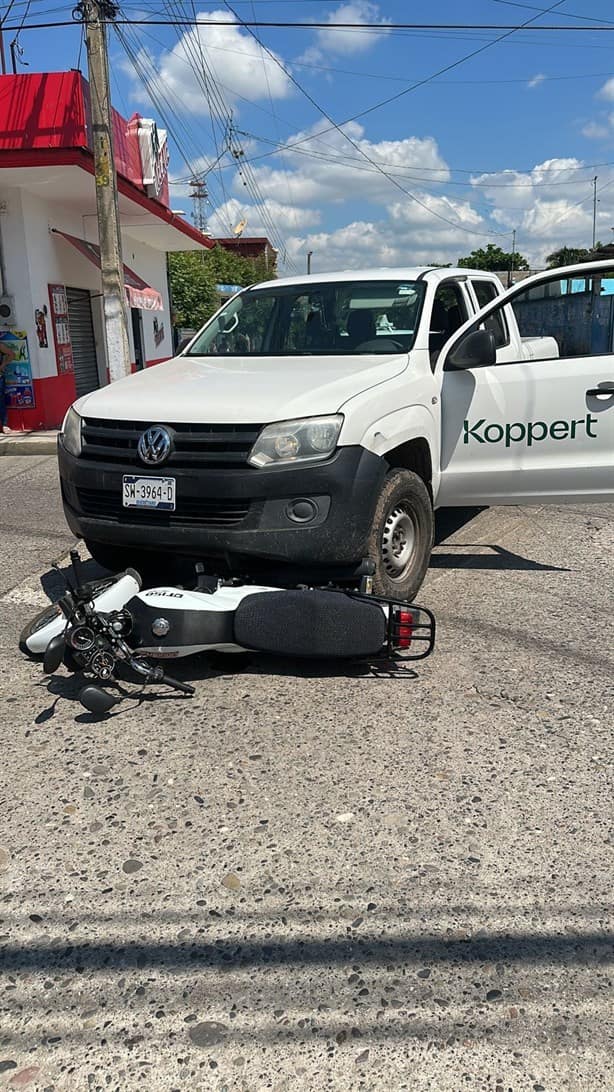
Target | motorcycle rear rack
(420,623)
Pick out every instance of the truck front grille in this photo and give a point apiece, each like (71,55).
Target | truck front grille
(194,446)
(190,512)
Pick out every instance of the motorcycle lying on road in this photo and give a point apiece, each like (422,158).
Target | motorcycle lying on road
(100,626)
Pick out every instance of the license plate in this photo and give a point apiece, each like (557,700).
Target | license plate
(148,493)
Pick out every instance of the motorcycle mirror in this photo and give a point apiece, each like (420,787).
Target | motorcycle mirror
(96,700)
(54,654)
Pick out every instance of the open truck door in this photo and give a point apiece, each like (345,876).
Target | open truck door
(527,394)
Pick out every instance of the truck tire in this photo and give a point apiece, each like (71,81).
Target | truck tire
(402,534)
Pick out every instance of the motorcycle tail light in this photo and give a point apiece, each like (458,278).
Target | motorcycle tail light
(405,626)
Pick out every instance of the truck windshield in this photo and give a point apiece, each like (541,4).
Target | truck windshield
(316,319)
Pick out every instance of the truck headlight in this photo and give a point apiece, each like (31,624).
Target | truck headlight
(296,441)
(71,432)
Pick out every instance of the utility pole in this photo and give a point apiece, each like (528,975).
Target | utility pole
(594,210)
(511,268)
(111,265)
(309,257)
(2,55)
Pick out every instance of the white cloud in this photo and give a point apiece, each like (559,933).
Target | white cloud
(536,80)
(239,65)
(551,205)
(404,234)
(407,236)
(607,91)
(595,130)
(331,169)
(334,202)
(287,218)
(603,127)
(343,41)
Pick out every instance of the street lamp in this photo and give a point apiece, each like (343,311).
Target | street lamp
(309,256)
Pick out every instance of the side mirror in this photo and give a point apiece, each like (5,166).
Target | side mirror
(183,344)
(476,349)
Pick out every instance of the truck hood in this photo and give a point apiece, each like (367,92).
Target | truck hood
(240,390)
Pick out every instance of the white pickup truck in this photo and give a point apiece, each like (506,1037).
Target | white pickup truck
(315,422)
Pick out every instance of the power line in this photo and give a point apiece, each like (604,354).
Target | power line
(413,197)
(207,79)
(437,170)
(399,79)
(447,83)
(152,84)
(564,14)
(375,167)
(377,28)
(158,98)
(583,201)
(221,146)
(391,98)
(355,162)
(287,174)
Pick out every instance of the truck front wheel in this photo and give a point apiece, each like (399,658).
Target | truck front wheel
(401,537)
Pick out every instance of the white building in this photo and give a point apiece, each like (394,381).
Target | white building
(50,292)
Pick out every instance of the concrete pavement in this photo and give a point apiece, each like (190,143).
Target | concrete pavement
(306,878)
(29,443)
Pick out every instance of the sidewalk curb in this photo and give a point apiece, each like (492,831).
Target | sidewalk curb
(29,443)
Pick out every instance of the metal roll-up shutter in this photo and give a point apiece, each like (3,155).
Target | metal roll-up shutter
(82,340)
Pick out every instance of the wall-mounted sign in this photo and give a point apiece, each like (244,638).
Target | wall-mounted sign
(153,146)
(61,328)
(19,387)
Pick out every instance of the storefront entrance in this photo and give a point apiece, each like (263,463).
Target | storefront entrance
(82,340)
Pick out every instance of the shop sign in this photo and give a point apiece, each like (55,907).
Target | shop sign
(153,146)
(61,328)
(19,386)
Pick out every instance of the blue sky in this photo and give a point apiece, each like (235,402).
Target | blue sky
(511,138)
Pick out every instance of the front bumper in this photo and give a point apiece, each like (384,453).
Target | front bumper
(233,514)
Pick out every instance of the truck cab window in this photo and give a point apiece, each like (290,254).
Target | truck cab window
(333,318)
(486,292)
(576,313)
(449,312)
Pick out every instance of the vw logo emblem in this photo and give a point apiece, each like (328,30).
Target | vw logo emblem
(154,446)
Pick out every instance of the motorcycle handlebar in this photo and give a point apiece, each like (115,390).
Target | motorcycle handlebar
(185,688)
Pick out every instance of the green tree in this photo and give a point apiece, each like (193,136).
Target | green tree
(569,255)
(493,259)
(193,276)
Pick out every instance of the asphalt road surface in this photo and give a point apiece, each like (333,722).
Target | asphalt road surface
(309,878)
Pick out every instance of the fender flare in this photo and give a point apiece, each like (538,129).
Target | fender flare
(400,427)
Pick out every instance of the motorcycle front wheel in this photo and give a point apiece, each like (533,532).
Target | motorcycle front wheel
(50,613)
